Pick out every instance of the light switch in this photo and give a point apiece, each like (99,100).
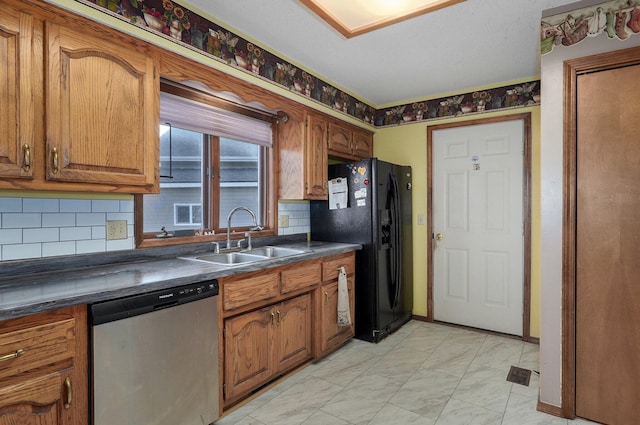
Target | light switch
(420,219)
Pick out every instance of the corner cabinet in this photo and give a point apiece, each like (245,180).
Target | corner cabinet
(43,369)
(80,108)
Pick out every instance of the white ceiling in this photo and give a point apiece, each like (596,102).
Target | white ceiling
(451,50)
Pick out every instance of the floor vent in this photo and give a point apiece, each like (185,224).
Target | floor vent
(518,375)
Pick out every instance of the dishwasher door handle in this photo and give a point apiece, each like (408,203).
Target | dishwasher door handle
(165,305)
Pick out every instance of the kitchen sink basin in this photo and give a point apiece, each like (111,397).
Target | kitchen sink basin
(228,258)
(274,251)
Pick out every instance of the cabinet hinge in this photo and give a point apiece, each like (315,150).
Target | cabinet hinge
(224,390)
(224,332)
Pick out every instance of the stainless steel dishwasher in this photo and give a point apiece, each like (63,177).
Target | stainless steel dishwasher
(155,358)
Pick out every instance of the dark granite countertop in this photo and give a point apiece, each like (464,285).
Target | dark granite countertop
(51,285)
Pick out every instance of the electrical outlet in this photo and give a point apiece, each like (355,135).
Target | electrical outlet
(116,229)
(284,221)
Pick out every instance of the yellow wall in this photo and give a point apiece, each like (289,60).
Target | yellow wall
(407,145)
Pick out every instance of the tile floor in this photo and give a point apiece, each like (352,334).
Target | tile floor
(424,374)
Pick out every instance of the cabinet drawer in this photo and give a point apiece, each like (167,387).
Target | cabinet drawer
(300,277)
(246,291)
(26,349)
(330,267)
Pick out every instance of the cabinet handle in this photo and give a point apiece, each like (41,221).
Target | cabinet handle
(27,157)
(13,355)
(278,313)
(326,296)
(54,152)
(273,318)
(68,393)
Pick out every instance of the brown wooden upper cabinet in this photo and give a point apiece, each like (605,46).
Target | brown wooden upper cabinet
(362,144)
(95,127)
(102,111)
(316,158)
(306,142)
(349,142)
(302,145)
(340,139)
(17,95)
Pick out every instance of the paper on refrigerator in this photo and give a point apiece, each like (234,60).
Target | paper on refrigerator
(338,195)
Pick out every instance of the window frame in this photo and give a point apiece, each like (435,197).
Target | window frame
(211,154)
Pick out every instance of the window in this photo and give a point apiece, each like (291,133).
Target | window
(211,161)
(187,214)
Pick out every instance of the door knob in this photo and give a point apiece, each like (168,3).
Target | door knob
(439,236)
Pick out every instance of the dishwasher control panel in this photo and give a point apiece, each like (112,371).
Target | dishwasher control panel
(121,308)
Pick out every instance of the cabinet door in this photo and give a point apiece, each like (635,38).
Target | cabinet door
(102,111)
(340,139)
(40,401)
(316,158)
(19,76)
(247,353)
(293,324)
(362,144)
(332,334)
(43,375)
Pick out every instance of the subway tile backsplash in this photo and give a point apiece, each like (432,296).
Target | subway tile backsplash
(297,213)
(48,227)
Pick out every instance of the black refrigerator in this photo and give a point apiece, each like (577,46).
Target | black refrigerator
(370,204)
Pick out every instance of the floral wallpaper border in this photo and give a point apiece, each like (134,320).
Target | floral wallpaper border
(174,22)
(617,19)
(517,96)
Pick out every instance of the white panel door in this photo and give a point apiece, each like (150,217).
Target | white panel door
(478,274)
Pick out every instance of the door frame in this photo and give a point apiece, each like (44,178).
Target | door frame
(572,69)
(526,211)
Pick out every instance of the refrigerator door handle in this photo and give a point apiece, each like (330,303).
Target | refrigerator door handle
(396,243)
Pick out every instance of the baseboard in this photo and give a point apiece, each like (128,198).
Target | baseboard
(550,409)
(420,318)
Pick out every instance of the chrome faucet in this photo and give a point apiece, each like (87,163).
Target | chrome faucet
(233,211)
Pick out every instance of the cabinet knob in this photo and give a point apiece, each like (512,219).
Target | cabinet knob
(27,157)
(54,154)
(13,355)
(68,393)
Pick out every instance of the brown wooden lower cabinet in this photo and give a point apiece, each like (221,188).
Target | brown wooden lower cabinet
(260,344)
(333,336)
(43,369)
(247,351)
(266,335)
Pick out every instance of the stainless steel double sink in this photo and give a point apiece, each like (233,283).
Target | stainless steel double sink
(243,257)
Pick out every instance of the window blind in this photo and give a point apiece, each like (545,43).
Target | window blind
(196,116)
